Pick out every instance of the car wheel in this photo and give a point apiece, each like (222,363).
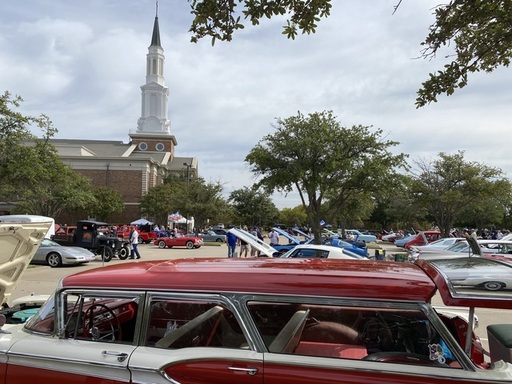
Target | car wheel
(161,244)
(493,285)
(54,260)
(106,253)
(219,241)
(124,252)
(189,245)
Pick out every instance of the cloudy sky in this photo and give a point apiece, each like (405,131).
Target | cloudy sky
(82,63)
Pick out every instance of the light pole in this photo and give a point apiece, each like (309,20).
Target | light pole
(188,181)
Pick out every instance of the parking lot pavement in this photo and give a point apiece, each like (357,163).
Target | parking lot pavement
(42,280)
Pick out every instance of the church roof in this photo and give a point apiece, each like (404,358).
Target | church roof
(155,39)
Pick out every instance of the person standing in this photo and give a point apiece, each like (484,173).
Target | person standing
(231,240)
(273,237)
(244,247)
(134,241)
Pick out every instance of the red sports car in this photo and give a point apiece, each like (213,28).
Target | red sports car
(180,241)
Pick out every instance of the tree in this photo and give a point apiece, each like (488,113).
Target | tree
(322,161)
(196,198)
(107,201)
(450,185)
(293,216)
(253,207)
(220,19)
(160,201)
(478,31)
(32,176)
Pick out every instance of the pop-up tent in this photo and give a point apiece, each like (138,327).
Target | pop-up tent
(141,221)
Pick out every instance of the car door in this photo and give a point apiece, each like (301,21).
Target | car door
(194,340)
(320,342)
(87,337)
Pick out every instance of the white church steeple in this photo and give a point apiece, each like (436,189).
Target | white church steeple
(155,95)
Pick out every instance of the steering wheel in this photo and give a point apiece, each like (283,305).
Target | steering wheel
(97,315)
(403,358)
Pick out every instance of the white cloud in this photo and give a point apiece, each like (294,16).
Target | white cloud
(82,63)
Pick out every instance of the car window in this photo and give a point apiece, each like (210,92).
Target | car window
(99,317)
(375,334)
(88,316)
(184,324)
(310,253)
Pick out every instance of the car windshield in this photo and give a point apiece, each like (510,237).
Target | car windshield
(49,243)
(461,246)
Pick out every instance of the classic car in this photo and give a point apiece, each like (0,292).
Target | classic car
(478,272)
(257,320)
(179,241)
(56,255)
(357,235)
(211,236)
(423,238)
(320,251)
(463,249)
(359,248)
(19,240)
(437,245)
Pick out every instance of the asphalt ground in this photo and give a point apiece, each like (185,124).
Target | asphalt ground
(42,280)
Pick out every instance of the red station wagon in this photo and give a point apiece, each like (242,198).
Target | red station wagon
(258,320)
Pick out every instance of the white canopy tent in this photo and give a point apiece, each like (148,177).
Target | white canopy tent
(141,221)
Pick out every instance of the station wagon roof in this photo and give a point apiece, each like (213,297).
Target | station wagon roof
(319,277)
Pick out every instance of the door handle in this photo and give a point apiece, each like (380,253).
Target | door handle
(250,371)
(120,355)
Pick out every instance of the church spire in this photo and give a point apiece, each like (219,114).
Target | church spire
(155,39)
(155,94)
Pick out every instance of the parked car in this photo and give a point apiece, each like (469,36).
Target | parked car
(437,245)
(211,236)
(220,231)
(180,241)
(89,234)
(313,251)
(423,238)
(477,272)
(404,240)
(359,236)
(353,247)
(56,255)
(463,249)
(258,320)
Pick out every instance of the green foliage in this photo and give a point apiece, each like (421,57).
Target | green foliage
(31,173)
(291,216)
(160,201)
(450,187)
(253,207)
(219,19)
(478,31)
(107,201)
(197,198)
(322,161)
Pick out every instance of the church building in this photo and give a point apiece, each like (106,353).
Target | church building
(135,167)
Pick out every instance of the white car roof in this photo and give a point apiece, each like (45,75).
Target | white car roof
(334,252)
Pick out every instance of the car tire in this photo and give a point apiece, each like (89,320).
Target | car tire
(161,244)
(124,252)
(493,285)
(54,260)
(189,244)
(219,240)
(106,253)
